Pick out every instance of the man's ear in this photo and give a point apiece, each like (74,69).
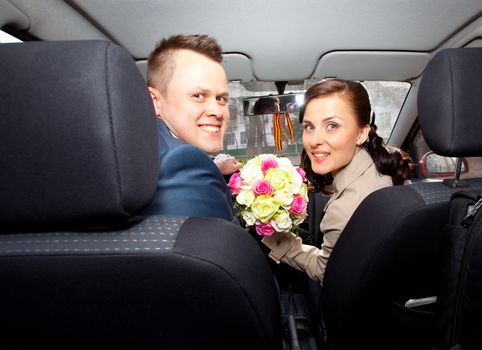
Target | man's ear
(155,99)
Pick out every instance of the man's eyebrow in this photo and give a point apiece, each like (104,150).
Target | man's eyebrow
(200,88)
(205,90)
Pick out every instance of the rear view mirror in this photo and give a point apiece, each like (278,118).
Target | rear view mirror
(260,105)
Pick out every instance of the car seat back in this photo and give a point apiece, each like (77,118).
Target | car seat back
(78,266)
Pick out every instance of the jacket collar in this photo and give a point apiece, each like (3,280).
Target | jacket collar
(358,165)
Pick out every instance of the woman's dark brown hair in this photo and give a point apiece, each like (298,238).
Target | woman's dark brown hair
(388,160)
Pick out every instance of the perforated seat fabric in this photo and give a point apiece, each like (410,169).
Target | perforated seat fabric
(75,118)
(78,267)
(390,251)
(165,282)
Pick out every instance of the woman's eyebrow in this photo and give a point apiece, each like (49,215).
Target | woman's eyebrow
(330,118)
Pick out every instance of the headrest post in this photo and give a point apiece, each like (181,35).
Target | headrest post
(456,182)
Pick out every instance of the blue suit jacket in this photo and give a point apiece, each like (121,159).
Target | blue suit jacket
(190,184)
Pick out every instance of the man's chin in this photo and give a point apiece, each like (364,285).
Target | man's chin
(210,149)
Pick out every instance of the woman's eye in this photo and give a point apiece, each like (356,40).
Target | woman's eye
(331,126)
(307,127)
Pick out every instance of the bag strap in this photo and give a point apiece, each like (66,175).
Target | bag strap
(472,211)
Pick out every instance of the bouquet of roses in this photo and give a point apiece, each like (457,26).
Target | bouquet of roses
(270,194)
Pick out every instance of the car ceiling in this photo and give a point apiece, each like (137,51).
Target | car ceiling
(269,40)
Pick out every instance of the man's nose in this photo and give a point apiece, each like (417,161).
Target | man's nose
(214,109)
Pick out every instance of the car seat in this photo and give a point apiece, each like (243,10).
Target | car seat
(78,266)
(455,75)
(384,273)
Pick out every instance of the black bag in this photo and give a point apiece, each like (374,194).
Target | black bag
(460,299)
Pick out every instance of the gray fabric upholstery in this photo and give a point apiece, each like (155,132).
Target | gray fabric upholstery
(437,192)
(75,117)
(151,234)
(79,267)
(450,103)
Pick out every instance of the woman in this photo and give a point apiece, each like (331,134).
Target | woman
(343,150)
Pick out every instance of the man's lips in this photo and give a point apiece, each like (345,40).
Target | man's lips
(210,128)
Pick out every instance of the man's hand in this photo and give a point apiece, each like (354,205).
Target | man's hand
(227,164)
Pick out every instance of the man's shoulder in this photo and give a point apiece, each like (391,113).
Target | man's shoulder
(184,156)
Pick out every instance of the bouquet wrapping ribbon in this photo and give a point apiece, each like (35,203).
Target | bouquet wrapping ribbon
(277,130)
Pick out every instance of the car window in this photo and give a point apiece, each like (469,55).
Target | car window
(250,133)
(7,38)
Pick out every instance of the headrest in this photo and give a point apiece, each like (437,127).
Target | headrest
(78,134)
(450,102)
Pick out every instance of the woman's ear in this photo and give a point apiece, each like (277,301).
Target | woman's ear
(155,99)
(363,135)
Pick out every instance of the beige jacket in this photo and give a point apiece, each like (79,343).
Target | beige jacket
(351,185)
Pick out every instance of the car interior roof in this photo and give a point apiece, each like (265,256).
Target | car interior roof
(271,35)
(273,40)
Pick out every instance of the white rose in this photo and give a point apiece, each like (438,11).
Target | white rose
(282,222)
(249,217)
(284,198)
(245,198)
(299,220)
(249,174)
(296,181)
(285,164)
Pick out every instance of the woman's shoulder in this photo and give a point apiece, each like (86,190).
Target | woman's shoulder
(373,180)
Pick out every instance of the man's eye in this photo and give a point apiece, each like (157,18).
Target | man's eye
(198,96)
(222,99)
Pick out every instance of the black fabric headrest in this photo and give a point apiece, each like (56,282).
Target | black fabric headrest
(78,136)
(450,102)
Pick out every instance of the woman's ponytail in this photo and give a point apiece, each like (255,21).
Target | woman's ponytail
(388,160)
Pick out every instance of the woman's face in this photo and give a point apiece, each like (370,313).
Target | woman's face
(331,135)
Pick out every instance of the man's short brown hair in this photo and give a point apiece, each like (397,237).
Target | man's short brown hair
(161,62)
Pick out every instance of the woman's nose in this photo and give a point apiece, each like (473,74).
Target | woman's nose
(317,138)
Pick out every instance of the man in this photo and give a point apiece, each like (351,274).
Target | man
(188,87)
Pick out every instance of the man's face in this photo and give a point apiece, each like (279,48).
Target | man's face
(195,103)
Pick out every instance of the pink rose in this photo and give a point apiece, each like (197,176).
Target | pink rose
(298,206)
(235,183)
(301,172)
(264,229)
(262,187)
(268,164)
